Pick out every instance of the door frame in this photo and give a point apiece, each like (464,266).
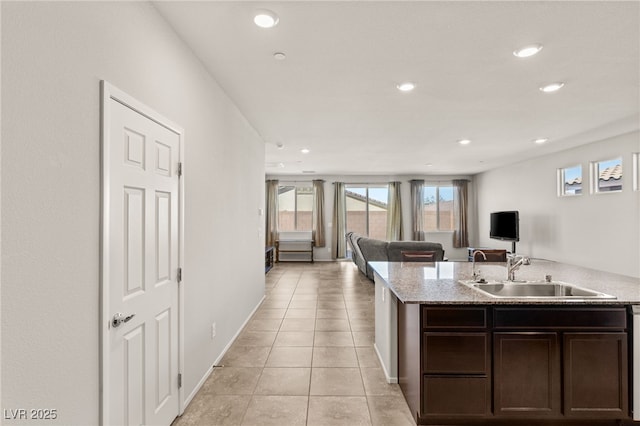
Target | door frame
(109,92)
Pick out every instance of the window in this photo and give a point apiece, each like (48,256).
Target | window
(570,181)
(606,176)
(438,208)
(367,210)
(295,207)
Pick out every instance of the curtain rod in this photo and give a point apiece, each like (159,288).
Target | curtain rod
(391,181)
(367,183)
(298,181)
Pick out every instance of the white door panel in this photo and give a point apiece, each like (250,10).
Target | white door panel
(143,243)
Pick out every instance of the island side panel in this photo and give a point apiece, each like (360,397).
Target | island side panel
(409,348)
(386,338)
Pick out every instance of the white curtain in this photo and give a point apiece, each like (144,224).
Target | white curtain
(460,208)
(339,243)
(318,213)
(271,209)
(394,213)
(417,210)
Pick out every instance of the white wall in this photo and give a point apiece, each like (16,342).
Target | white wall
(53,58)
(445,238)
(599,231)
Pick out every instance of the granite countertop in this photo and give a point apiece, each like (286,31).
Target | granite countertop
(437,283)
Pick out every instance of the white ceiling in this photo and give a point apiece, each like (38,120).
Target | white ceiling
(335,93)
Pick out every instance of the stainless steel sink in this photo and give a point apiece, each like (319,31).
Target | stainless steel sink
(535,289)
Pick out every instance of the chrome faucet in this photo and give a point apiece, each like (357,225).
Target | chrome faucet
(514,262)
(473,266)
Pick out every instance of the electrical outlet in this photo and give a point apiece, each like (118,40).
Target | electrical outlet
(213,330)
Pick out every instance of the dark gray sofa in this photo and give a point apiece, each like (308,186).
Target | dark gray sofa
(365,250)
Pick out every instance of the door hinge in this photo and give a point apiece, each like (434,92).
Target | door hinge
(179,380)
(179,275)
(179,169)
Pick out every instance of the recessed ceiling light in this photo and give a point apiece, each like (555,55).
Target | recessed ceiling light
(281,165)
(280,56)
(527,51)
(429,165)
(464,141)
(540,141)
(305,150)
(553,87)
(407,86)
(265,19)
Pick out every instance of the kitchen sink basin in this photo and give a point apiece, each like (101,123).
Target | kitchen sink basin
(535,289)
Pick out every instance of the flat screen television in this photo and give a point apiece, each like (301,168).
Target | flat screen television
(504,226)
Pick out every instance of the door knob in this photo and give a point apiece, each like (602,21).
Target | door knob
(119,318)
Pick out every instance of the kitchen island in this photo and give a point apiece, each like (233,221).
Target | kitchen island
(464,357)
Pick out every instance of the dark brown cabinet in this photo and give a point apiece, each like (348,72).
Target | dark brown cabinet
(456,364)
(589,380)
(510,364)
(527,374)
(595,375)
(455,359)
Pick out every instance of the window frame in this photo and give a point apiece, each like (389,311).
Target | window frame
(594,172)
(365,186)
(636,171)
(437,185)
(561,173)
(297,186)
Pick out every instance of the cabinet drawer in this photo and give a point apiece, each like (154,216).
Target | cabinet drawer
(456,396)
(558,318)
(437,317)
(455,353)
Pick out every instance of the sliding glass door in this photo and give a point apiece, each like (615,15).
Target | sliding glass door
(367,210)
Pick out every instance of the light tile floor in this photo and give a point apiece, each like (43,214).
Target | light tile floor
(305,358)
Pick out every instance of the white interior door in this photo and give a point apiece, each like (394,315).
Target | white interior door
(140,268)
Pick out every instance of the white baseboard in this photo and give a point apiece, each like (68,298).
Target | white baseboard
(386,373)
(198,387)
(235,336)
(217,361)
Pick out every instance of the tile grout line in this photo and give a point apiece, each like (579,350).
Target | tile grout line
(313,350)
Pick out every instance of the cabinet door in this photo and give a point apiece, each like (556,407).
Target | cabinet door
(527,374)
(595,375)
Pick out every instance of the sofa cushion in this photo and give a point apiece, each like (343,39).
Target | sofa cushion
(372,251)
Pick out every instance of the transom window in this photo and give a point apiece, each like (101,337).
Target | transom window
(570,181)
(606,176)
(295,207)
